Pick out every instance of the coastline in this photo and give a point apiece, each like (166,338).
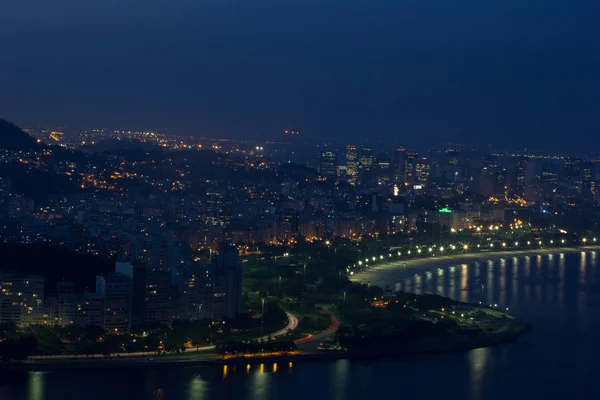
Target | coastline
(375,275)
(382,274)
(511,335)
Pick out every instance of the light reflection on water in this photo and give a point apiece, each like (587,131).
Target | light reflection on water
(477,360)
(198,389)
(36,386)
(341,371)
(556,293)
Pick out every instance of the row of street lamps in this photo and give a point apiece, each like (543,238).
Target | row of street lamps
(441,249)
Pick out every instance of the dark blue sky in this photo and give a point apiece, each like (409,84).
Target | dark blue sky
(415,71)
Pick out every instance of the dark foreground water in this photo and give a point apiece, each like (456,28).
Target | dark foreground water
(558,294)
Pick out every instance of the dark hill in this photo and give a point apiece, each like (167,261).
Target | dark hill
(13,138)
(55,264)
(29,181)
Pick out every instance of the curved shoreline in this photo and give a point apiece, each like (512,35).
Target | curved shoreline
(114,364)
(377,274)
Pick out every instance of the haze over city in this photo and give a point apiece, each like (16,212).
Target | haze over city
(411,71)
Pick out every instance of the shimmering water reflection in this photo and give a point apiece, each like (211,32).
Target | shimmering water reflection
(557,293)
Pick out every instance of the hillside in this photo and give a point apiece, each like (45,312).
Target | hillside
(39,178)
(55,264)
(13,138)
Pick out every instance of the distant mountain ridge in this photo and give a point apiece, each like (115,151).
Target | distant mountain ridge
(13,138)
(26,179)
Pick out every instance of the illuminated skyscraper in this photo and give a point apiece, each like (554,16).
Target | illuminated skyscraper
(409,167)
(219,208)
(587,183)
(422,171)
(351,163)
(573,170)
(520,182)
(21,298)
(366,157)
(328,164)
(525,176)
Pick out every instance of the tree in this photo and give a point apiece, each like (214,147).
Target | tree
(18,349)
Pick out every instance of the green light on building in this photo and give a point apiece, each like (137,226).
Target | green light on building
(445,210)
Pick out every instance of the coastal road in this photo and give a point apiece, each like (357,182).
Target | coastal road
(389,273)
(292,324)
(335,324)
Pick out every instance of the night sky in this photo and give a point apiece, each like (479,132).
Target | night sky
(525,73)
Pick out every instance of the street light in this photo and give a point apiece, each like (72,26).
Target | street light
(465,247)
(262,319)
(344,306)
(516,244)
(503,244)
(441,249)
(419,251)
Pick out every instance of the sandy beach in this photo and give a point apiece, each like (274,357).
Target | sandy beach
(383,274)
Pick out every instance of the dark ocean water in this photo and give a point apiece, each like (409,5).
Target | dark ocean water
(557,293)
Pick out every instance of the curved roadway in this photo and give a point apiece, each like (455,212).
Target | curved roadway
(292,324)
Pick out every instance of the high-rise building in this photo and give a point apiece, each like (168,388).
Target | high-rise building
(138,274)
(21,299)
(229,261)
(116,292)
(65,295)
(89,310)
(399,166)
(328,164)
(573,169)
(288,222)
(521,171)
(410,160)
(158,304)
(5,189)
(193,287)
(453,157)
(422,171)
(351,163)
(587,180)
(226,283)
(366,157)
(213,206)
(549,174)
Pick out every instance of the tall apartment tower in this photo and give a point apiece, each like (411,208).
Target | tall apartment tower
(116,290)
